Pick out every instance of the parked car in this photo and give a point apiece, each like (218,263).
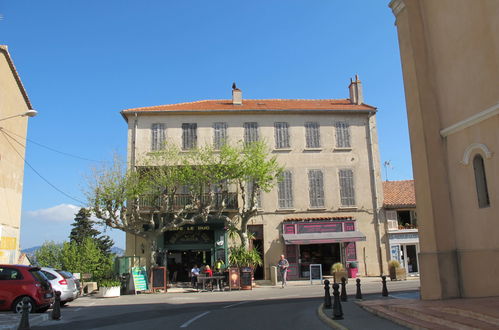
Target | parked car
(62,281)
(17,282)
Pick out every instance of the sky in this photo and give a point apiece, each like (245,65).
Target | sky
(82,62)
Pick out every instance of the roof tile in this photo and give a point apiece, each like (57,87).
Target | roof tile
(399,194)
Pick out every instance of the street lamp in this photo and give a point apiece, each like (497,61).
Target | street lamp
(29,113)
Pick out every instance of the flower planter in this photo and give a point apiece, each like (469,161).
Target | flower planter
(339,275)
(109,292)
(352,272)
(398,274)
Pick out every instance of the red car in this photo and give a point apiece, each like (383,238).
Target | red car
(17,282)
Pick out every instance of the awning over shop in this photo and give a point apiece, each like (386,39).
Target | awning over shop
(322,238)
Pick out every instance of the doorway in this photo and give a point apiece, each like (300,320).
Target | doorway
(324,254)
(412,259)
(183,261)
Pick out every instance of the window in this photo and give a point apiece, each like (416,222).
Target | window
(481,182)
(10,274)
(249,191)
(285,191)
(281,135)
(48,275)
(342,135)
(157,136)
(316,188)
(219,135)
(347,191)
(189,136)
(312,135)
(250,132)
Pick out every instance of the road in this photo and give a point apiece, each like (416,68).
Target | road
(293,307)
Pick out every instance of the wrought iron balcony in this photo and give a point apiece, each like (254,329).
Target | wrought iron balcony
(181,200)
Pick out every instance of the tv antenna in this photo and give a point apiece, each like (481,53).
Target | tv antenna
(387,164)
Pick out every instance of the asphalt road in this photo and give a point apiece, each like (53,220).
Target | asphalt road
(293,307)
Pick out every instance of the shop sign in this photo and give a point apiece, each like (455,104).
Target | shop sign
(309,228)
(189,237)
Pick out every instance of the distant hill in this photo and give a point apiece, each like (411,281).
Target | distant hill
(31,251)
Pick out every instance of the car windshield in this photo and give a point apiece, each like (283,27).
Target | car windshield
(65,274)
(38,275)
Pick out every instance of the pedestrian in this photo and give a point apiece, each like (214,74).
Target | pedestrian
(194,275)
(283,265)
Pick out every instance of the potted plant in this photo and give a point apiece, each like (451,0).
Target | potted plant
(109,288)
(397,273)
(245,260)
(352,269)
(339,271)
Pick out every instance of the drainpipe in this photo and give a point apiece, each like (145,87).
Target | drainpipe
(134,139)
(374,191)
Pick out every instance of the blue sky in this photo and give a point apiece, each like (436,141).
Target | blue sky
(84,61)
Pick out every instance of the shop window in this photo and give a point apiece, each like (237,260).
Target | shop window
(481,182)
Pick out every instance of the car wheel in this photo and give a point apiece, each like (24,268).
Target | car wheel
(17,306)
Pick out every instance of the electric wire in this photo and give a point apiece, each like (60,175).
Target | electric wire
(55,150)
(7,136)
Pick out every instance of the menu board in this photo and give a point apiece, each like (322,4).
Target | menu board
(315,272)
(246,274)
(159,278)
(234,279)
(139,277)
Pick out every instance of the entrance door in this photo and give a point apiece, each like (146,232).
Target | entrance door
(412,259)
(188,259)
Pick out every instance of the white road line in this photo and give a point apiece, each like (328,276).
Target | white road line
(186,324)
(239,303)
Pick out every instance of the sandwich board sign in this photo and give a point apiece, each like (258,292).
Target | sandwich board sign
(139,279)
(315,272)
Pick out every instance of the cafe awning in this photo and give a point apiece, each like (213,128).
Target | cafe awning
(322,238)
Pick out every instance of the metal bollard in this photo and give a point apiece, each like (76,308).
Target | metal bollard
(337,310)
(56,310)
(327,295)
(384,293)
(343,289)
(358,294)
(24,324)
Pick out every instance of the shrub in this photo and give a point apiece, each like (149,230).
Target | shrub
(109,283)
(393,264)
(338,267)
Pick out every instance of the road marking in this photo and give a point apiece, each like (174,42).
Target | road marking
(239,303)
(186,324)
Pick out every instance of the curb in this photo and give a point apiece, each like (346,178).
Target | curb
(329,321)
(33,320)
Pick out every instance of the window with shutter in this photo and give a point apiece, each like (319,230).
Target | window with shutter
(285,191)
(342,135)
(316,188)
(250,132)
(347,191)
(219,135)
(158,136)
(281,135)
(189,136)
(312,135)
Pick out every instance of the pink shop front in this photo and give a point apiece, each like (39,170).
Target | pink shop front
(319,241)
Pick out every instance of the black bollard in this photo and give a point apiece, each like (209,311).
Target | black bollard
(358,294)
(327,295)
(343,289)
(384,293)
(337,310)
(56,310)
(24,324)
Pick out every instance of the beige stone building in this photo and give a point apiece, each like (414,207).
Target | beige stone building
(401,217)
(450,61)
(15,107)
(325,210)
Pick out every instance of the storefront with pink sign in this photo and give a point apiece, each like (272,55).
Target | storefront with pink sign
(322,241)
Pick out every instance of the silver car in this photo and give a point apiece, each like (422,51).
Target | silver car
(62,281)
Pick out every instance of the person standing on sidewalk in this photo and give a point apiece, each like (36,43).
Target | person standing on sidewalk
(283,265)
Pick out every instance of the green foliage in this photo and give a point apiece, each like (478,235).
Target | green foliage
(338,267)
(108,283)
(393,264)
(49,255)
(242,257)
(353,264)
(83,227)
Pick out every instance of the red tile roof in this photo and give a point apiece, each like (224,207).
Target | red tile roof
(256,105)
(399,194)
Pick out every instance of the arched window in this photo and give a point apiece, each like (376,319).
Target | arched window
(481,182)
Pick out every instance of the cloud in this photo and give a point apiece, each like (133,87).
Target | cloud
(58,213)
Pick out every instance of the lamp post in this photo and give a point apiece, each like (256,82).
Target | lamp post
(30,113)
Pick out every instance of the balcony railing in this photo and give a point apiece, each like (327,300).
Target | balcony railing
(181,200)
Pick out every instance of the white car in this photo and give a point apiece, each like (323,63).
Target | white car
(62,281)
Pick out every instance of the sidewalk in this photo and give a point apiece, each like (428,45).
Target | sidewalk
(9,320)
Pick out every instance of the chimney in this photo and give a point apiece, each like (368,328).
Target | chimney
(356,95)
(237,95)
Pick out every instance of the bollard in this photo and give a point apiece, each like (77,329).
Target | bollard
(343,289)
(327,295)
(56,310)
(24,324)
(337,310)
(358,294)
(384,293)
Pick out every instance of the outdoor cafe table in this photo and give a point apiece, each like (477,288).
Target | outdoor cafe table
(217,278)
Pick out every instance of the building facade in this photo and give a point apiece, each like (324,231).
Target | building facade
(14,103)
(401,217)
(327,206)
(450,60)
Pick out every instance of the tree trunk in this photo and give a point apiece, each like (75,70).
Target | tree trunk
(243,235)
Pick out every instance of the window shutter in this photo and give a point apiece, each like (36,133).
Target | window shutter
(342,135)
(250,132)
(281,135)
(285,190)
(158,136)
(219,135)
(316,188)
(347,191)
(189,136)
(312,135)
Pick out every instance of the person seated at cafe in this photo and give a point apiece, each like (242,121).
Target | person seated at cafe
(219,264)
(207,270)
(194,275)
